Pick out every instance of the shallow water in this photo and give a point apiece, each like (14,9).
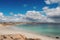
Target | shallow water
(44,29)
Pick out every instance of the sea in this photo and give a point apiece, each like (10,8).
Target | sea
(51,30)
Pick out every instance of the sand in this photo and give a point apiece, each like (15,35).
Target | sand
(10,31)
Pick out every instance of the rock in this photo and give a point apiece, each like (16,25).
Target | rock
(4,36)
(33,39)
(16,37)
(12,37)
(57,37)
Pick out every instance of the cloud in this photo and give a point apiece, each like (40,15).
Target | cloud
(36,16)
(1,14)
(30,16)
(21,15)
(33,14)
(52,1)
(11,13)
(52,12)
(45,8)
(47,2)
(14,18)
(2,17)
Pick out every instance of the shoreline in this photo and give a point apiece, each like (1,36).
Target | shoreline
(7,30)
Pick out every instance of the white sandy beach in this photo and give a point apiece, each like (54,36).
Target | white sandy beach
(8,30)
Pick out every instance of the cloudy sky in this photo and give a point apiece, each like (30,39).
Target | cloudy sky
(30,11)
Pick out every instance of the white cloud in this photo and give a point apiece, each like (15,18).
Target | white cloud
(21,15)
(34,14)
(1,14)
(52,12)
(14,18)
(30,16)
(47,2)
(52,1)
(15,15)
(45,8)
(11,13)
(38,17)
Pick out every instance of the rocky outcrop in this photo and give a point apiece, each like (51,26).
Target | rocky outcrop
(16,37)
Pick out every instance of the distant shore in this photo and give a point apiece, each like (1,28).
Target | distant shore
(14,23)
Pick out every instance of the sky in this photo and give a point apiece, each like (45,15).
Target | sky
(21,6)
(30,10)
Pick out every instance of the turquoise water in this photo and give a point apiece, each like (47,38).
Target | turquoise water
(44,29)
